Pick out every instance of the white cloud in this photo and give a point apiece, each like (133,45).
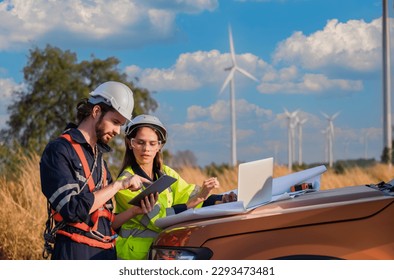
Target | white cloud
(205,68)
(195,129)
(91,21)
(219,111)
(168,79)
(245,133)
(354,45)
(7,87)
(358,135)
(210,126)
(307,83)
(245,108)
(285,74)
(280,121)
(194,70)
(133,71)
(196,112)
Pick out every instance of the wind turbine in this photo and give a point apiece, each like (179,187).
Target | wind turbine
(326,133)
(230,79)
(290,133)
(365,140)
(330,120)
(300,123)
(346,149)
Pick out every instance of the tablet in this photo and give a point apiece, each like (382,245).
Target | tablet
(157,186)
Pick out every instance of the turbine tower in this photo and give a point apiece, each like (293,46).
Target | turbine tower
(346,149)
(365,142)
(230,79)
(330,133)
(300,123)
(326,135)
(290,134)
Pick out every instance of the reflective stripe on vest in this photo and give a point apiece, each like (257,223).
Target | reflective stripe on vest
(87,240)
(93,237)
(125,233)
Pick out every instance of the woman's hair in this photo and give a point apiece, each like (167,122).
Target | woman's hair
(129,158)
(84,109)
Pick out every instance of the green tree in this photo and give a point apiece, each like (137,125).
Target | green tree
(183,159)
(384,158)
(385,155)
(54,82)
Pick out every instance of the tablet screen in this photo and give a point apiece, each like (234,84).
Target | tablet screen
(158,186)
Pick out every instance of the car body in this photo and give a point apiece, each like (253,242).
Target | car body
(354,222)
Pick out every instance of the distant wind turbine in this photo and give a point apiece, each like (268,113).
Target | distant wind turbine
(365,140)
(300,123)
(326,133)
(346,149)
(230,79)
(330,120)
(290,126)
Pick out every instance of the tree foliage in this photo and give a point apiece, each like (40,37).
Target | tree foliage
(54,83)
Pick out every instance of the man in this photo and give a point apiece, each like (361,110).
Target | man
(77,183)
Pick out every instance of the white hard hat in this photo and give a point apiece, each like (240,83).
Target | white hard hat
(115,94)
(147,120)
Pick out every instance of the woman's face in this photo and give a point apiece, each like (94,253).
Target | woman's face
(145,145)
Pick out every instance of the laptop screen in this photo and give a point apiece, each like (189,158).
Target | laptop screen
(255,182)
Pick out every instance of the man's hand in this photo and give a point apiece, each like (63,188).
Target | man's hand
(133,183)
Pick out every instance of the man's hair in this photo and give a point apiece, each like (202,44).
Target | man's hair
(84,109)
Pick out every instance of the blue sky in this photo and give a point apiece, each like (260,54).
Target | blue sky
(313,56)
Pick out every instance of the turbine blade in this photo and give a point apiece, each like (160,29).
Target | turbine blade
(294,114)
(247,74)
(232,52)
(335,115)
(325,115)
(228,79)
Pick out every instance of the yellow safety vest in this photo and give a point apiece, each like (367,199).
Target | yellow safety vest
(137,234)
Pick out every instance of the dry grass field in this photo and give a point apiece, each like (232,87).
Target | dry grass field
(23,207)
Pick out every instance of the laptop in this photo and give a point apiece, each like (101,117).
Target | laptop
(255,182)
(254,189)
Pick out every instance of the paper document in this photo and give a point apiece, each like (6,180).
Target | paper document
(280,191)
(282,184)
(224,209)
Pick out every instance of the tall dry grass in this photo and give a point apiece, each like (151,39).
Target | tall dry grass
(23,207)
(351,177)
(22,212)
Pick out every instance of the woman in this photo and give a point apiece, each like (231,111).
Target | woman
(145,137)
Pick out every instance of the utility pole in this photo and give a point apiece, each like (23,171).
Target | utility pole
(387,136)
